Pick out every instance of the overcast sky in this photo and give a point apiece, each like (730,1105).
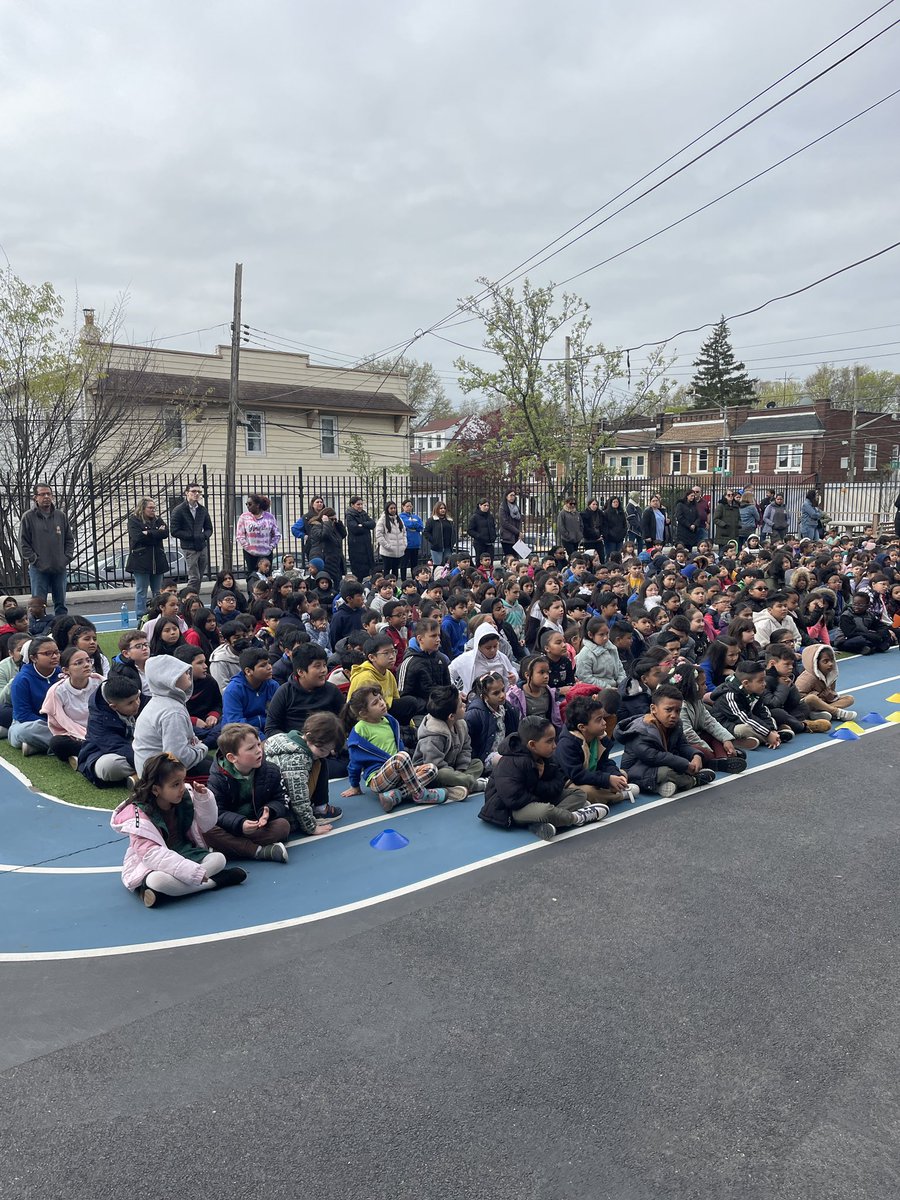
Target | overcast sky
(367,162)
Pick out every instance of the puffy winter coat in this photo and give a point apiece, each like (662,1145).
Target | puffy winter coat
(614,523)
(145,544)
(515,782)
(443,744)
(599,665)
(647,749)
(420,671)
(107,733)
(390,537)
(482,528)
(147,850)
(266,791)
(727,521)
(813,679)
(483,725)
(572,755)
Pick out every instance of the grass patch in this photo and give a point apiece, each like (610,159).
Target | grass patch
(46,773)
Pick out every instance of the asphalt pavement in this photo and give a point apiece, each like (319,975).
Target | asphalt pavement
(699,1002)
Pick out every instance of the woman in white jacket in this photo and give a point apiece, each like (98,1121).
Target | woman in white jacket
(390,539)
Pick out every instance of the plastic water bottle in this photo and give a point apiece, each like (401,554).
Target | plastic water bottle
(123,616)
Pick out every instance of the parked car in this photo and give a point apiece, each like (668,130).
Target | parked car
(81,579)
(112,567)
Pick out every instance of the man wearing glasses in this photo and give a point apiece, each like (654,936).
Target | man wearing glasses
(191,526)
(727,520)
(47,542)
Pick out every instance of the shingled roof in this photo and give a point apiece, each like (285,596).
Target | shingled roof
(157,385)
(769,424)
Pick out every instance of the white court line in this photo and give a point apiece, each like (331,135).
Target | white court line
(11,868)
(408,889)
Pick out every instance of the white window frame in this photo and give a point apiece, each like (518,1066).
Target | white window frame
(612,461)
(255,427)
(675,462)
(331,434)
(625,463)
(753,460)
(723,457)
(788,458)
(870,456)
(702,454)
(177,440)
(640,467)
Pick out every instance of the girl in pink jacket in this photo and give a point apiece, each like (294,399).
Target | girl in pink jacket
(165,822)
(66,704)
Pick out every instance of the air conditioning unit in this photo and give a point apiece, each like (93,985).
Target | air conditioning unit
(845,464)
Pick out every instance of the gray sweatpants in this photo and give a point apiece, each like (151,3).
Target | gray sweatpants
(559,814)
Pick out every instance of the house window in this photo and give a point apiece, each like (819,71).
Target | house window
(752,459)
(255,433)
(703,460)
(640,466)
(329,436)
(870,456)
(676,462)
(626,462)
(173,428)
(612,460)
(789,456)
(895,457)
(722,457)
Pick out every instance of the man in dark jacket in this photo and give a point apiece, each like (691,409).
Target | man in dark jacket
(253,805)
(569,529)
(191,526)
(47,542)
(482,530)
(359,539)
(528,788)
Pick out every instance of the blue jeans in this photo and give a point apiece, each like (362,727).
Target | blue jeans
(612,547)
(35,733)
(438,557)
(53,582)
(141,582)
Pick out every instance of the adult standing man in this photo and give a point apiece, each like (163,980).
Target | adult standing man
(47,542)
(482,530)
(359,538)
(192,528)
(569,530)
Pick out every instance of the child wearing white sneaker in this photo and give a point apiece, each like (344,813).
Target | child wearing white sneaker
(527,787)
(377,757)
(253,805)
(443,739)
(166,823)
(658,757)
(818,681)
(582,751)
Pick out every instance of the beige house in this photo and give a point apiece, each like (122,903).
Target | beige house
(293,413)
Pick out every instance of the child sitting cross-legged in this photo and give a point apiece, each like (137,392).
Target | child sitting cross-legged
(658,757)
(528,788)
(377,757)
(490,718)
(443,740)
(817,684)
(582,751)
(738,704)
(718,749)
(252,804)
(300,757)
(782,697)
(166,823)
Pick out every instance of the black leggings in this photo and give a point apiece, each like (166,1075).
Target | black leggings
(64,746)
(409,562)
(392,565)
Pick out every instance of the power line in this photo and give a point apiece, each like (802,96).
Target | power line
(513,272)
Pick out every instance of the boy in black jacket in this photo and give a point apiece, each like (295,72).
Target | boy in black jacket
(528,788)
(781,697)
(253,805)
(424,666)
(738,705)
(582,752)
(658,757)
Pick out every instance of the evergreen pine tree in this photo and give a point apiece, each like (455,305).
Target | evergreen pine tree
(719,378)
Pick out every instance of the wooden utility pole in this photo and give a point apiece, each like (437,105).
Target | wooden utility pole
(231,442)
(851,474)
(569,429)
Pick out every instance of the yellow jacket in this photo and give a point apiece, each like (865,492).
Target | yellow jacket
(361,673)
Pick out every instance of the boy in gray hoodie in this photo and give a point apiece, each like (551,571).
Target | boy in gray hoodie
(443,739)
(164,725)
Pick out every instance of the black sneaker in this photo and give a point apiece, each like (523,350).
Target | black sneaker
(786,735)
(705,776)
(229,876)
(544,830)
(733,765)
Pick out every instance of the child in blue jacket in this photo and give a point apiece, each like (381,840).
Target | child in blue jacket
(377,757)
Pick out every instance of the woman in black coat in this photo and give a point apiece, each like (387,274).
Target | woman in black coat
(687,521)
(510,522)
(147,560)
(325,540)
(897,517)
(441,534)
(482,529)
(359,539)
(592,524)
(614,524)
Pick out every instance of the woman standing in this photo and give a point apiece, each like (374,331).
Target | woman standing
(482,530)
(655,528)
(614,525)
(811,516)
(390,539)
(415,527)
(325,540)
(147,560)
(568,526)
(592,524)
(359,539)
(441,534)
(257,531)
(510,522)
(727,520)
(686,521)
(749,515)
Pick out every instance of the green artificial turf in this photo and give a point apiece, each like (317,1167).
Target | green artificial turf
(47,774)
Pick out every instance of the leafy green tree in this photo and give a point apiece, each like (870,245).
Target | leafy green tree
(877,391)
(720,378)
(784,392)
(425,392)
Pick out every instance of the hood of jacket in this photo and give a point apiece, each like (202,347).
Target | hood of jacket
(632,728)
(162,671)
(810,656)
(514,746)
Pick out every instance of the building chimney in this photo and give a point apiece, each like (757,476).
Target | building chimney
(90,332)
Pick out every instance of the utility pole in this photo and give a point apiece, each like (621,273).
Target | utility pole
(569,406)
(231,442)
(851,474)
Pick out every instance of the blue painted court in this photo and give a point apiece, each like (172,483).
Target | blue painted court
(61,894)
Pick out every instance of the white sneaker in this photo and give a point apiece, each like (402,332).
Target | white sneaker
(456,794)
(28,750)
(632,792)
(844,714)
(667,790)
(480,784)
